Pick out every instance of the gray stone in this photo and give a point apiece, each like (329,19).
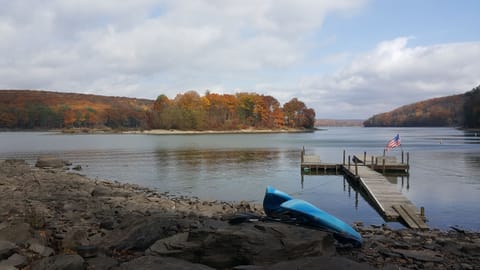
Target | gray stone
(16,233)
(246,244)
(41,250)
(7,266)
(50,162)
(16,260)
(471,249)
(7,248)
(177,243)
(60,262)
(87,251)
(322,262)
(145,232)
(164,263)
(101,262)
(420,255)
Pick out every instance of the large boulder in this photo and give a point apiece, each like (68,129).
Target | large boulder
(51,162)
(245,244)
(139,233)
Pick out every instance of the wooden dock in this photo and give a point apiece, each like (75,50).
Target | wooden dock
(383,163)
(385,197)
(312,164)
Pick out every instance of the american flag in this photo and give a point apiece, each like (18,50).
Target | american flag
(395,142)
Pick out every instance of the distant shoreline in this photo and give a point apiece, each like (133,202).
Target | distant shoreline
(200,132)
(74,131)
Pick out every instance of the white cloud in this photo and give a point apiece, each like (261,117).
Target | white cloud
(144,48)
(147,45)
(392,75)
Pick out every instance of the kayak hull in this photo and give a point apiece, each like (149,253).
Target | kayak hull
(279,205)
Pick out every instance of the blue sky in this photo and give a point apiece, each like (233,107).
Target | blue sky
(347,59)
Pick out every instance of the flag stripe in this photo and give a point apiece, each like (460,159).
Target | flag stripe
(395,142)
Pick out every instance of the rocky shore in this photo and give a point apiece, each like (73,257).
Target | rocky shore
(51,218)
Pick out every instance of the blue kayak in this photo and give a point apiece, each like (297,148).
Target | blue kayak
(279,205)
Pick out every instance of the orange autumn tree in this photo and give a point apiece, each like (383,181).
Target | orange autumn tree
(190,111)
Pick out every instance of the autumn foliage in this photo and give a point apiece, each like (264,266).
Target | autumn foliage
(42,109)
(28,109)
(190,111)
(455,111)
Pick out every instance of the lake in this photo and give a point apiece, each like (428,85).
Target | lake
(444,166)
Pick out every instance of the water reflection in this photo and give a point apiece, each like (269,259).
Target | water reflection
(444,177)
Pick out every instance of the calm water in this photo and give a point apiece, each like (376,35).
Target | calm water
(444,174)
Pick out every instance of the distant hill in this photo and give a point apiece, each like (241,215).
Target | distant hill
(45,109)
(338,123)
(455,111)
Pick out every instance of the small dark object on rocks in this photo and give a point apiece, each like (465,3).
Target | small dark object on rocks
(87,251)
(243,217)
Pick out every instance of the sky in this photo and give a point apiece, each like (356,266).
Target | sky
(347,59)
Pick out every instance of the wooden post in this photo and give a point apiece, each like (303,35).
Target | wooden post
(402,156)
(372,162)
(408,162)
(349,162)
(303,153)
(343,157)
(356,168)
(383,152)
(365,158)
(376,161)
(356,200)
(383,164)
(422,212)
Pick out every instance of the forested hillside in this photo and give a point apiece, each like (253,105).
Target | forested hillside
(28,109)
(472,108)
(458,110)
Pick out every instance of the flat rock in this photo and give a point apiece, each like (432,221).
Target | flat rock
(420,255)
(142,233)
(6,249)
(322,262)
(41,250)
(60,262)
(16,260)
(246,244)
(51,162)
(164,263)
(102,262)
(16,233)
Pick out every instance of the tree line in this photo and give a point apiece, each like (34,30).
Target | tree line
(190,111)
(26,109)
(453,111)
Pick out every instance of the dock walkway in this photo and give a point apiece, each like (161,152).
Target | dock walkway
(388,200)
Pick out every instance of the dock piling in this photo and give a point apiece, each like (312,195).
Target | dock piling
(356,168)
(383,165)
